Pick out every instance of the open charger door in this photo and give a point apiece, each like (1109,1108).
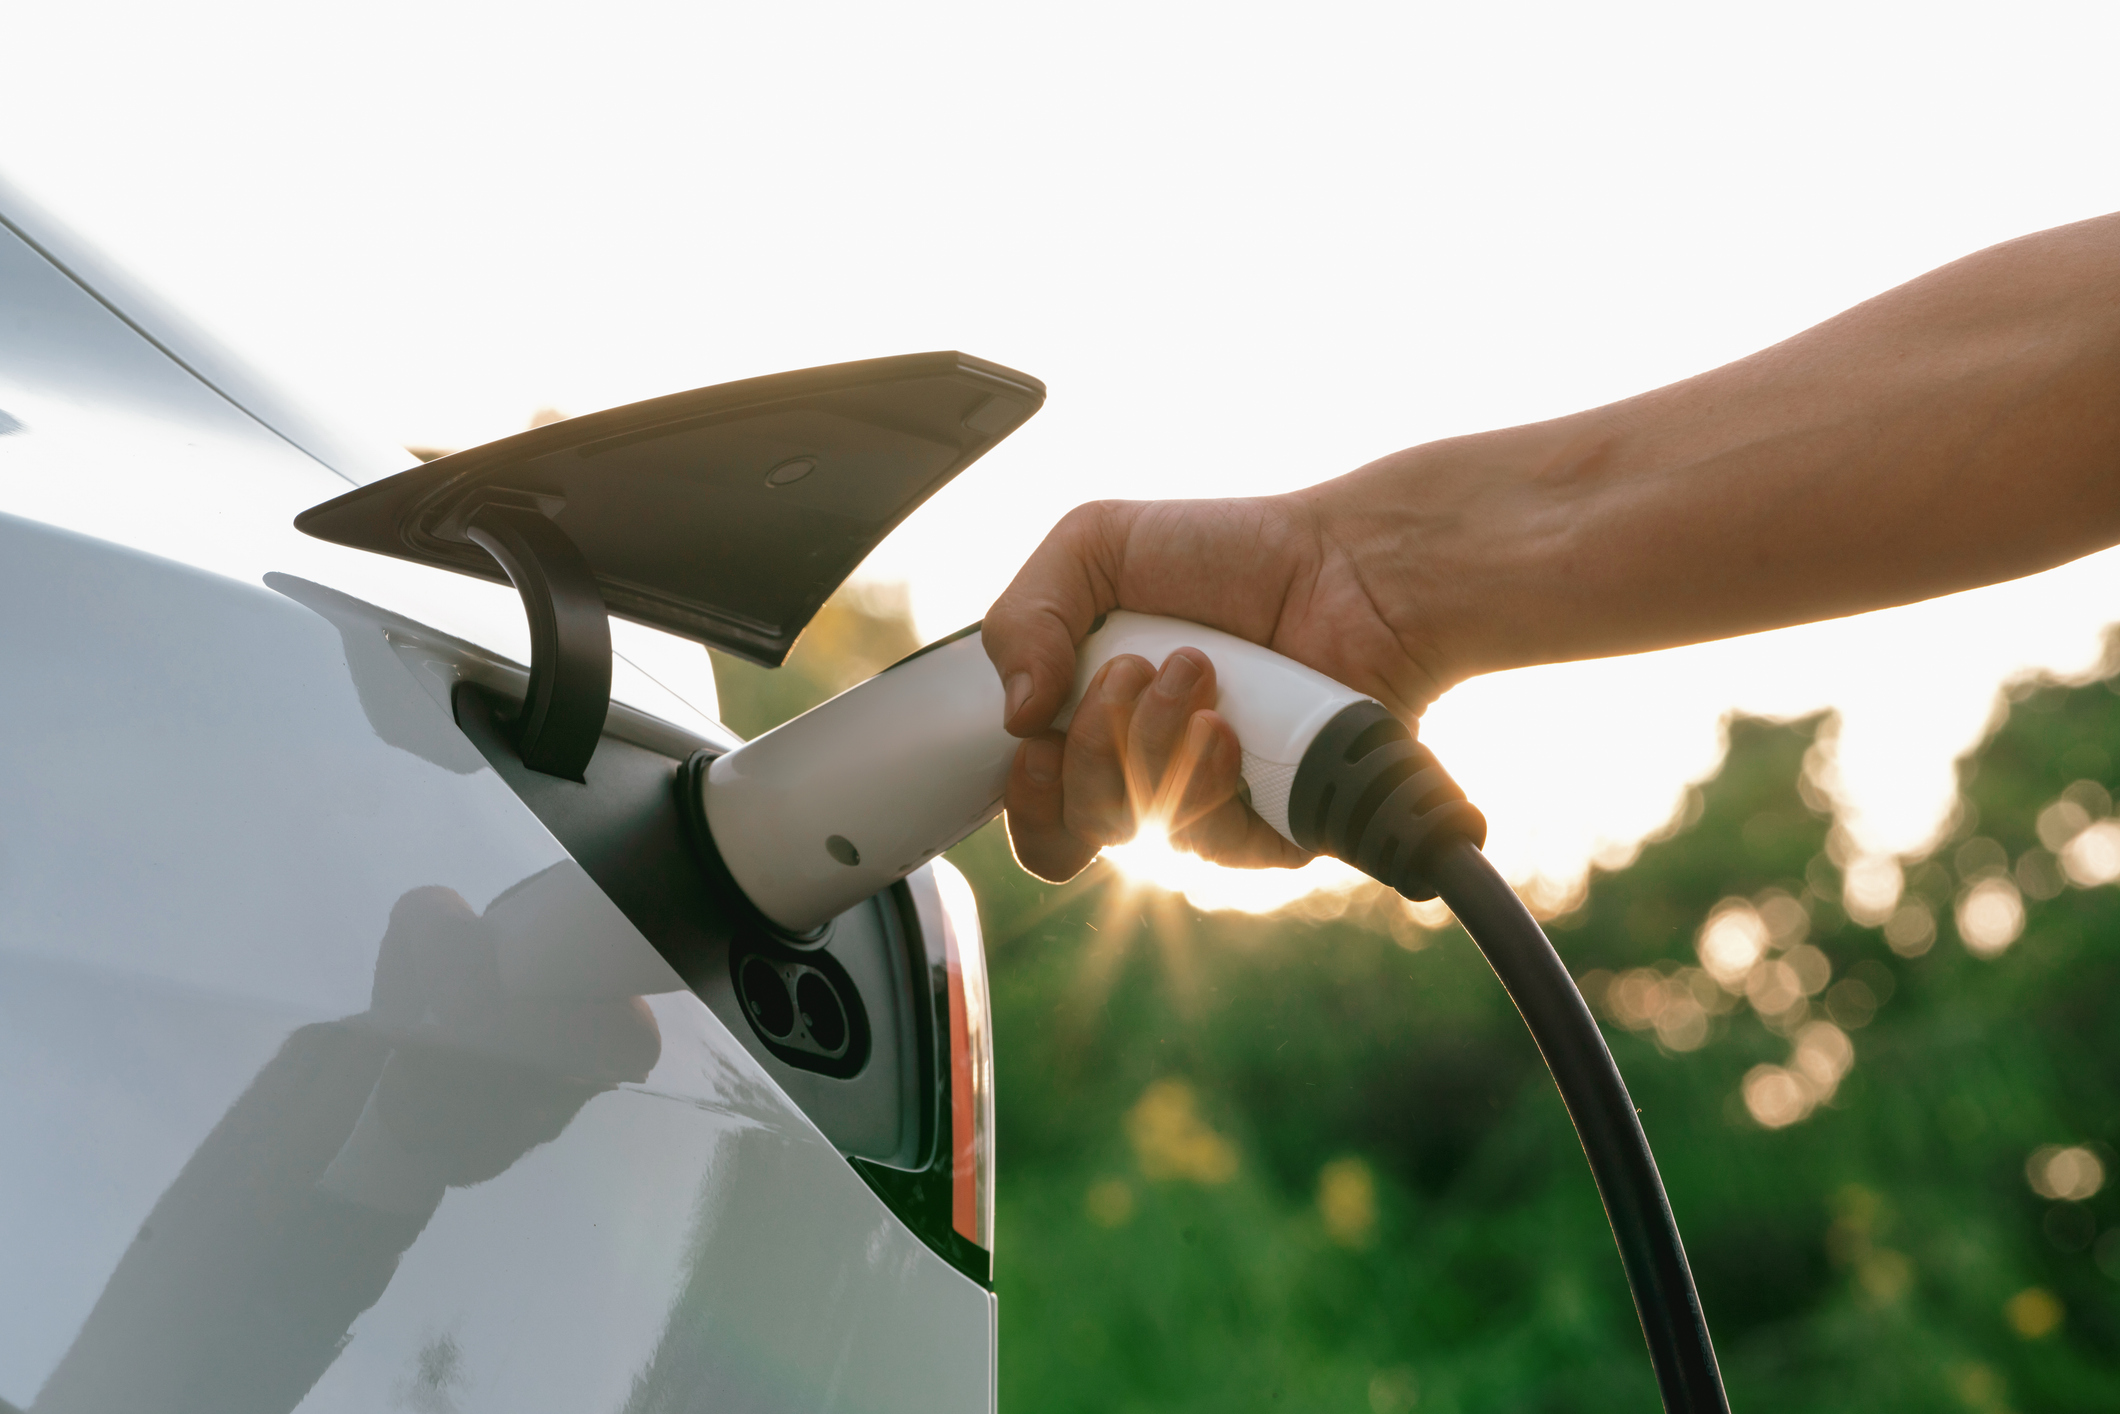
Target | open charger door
(727,515)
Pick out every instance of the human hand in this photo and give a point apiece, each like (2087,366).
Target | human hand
(1145,744)
(1950,433)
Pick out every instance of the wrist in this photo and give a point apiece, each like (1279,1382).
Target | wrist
(1478,547)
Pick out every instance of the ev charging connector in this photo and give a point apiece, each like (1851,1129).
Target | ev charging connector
(824,810)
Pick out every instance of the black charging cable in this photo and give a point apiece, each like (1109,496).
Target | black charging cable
(1368,793)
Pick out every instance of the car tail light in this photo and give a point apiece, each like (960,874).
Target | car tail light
(971,1120)
(946,1195)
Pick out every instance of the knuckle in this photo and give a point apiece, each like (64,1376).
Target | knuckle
(1079,519)
(1093,827)
(1091,515)
(1093,736)
(1129,675)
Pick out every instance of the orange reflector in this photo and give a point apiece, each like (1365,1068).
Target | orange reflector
(964,1132)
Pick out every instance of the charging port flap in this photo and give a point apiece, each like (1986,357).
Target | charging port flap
(724,514)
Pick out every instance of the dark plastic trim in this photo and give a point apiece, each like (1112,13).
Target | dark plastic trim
(1369,793)
(675,504)
(848,1061)
(570,636)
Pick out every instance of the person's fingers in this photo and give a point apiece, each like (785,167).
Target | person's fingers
(1184,684)
(1205,813)
(1233,835)
(1037,829)
(1095,805)
(1068,796)
(1209,817)
(1032,630)
(1204,773)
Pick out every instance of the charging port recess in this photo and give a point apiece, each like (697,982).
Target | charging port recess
(853,1024)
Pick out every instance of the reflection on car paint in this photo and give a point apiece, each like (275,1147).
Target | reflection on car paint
(350,1090)
(289,1220)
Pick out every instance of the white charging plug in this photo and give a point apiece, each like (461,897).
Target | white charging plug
(855,794)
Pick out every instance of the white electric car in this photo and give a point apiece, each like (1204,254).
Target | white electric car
(374,1030)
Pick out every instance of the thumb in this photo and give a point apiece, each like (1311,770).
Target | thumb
(1035,656)
(1032,630)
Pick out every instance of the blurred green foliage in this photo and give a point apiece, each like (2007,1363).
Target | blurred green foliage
(1312,1161)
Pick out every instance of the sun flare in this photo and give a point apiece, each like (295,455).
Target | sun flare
(1150,858)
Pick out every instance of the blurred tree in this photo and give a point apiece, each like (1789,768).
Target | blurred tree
(1313,1161)
(862,629)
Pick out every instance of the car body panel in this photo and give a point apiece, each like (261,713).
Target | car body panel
(103,433)
(346,451)
(262,958)
(328,1080)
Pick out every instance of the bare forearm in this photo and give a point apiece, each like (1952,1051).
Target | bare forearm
(1959,430)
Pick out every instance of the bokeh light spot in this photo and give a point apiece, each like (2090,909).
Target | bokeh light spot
(1109,1203)
(1979,857)
(1884,1275)
(1990,917)
(1732,940)
(2092,858)
(1774,988)
(1347,1201)
(2033,1313)
(1824,1054)
(1675,1005)
(1870,889)
(1812,967)
(2069,1173)
(1980,1388)
(1911,930)
(1777,1098)
(2106,1252)
(2061,822)
(2039,874)
(1851,1003)
(1171,1140)
(1393,1391)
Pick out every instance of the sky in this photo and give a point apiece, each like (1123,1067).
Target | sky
(1247,248)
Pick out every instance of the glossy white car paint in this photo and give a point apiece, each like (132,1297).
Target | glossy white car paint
(327,1079)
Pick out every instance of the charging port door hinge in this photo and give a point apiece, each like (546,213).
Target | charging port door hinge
(570,632)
